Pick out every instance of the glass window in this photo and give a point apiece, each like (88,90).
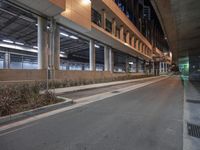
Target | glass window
(2,60)
(141,66)
(23,62)
(108,26)
(30,62)
(15,61)
(96,17)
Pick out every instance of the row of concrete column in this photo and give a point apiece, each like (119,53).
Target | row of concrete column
(53,60)
(108,57)
(163,67)
(138,45)
(49,54)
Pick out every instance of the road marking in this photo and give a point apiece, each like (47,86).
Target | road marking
(26,126)
(79,103)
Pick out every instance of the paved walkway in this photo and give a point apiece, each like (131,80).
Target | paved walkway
(191,113)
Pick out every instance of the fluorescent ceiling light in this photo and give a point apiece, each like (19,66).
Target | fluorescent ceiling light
(64,34)
(73,37)
(12,46)
(8,41)
(97,46)
(130,63)
(62,52)
(18,43)
(35,47)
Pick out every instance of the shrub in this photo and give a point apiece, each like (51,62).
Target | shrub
(49,97)
(7,98)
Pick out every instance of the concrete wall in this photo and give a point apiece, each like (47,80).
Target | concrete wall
(76,75)
(9,75)
(17,75)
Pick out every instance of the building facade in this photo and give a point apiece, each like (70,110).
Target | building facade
(67,38)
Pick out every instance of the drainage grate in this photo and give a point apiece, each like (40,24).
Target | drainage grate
(193,130)
(193,101)
(115,92)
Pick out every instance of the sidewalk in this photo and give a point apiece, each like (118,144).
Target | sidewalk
(191,115)
(99,85)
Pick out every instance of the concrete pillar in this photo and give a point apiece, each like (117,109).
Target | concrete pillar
(145,49)
(106,58)
(127,64)
(127,37)
(137,45)
(114,27)
(7,60)
(92,60)
(121,34)
(153,68)
(132,41)
(145,69)
(160,67)
(141,47)
(103,19)
(111,60)
(137,65)
(57,48)
(42,43)
(163,67)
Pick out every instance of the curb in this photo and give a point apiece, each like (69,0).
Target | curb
(33,112)
(98,85)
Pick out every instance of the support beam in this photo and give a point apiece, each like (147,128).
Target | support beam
(106,58)
(7,60)
(141,47)
(161,70)
(127,64)
(57,48)
(121,34)
(127,37)
(114,24)
(111,60)
(137,45)
(92,60)
(132,41)
(42,44)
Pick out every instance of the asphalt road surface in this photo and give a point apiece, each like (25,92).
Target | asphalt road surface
(148,118)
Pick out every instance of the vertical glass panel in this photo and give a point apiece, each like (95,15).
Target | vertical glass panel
(108,26)
(15,61)
(2,60)
(96,17)
(30,62)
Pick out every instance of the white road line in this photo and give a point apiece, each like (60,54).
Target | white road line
(9,132)
(80,102)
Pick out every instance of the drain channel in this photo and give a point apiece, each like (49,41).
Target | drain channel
(193,130)
(195,101)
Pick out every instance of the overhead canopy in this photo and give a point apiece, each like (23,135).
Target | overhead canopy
(180,20)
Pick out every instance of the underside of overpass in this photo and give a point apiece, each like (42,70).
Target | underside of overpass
(180,21)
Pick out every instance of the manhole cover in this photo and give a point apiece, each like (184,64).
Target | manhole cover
(193,101)
(193,130)
(115,92)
